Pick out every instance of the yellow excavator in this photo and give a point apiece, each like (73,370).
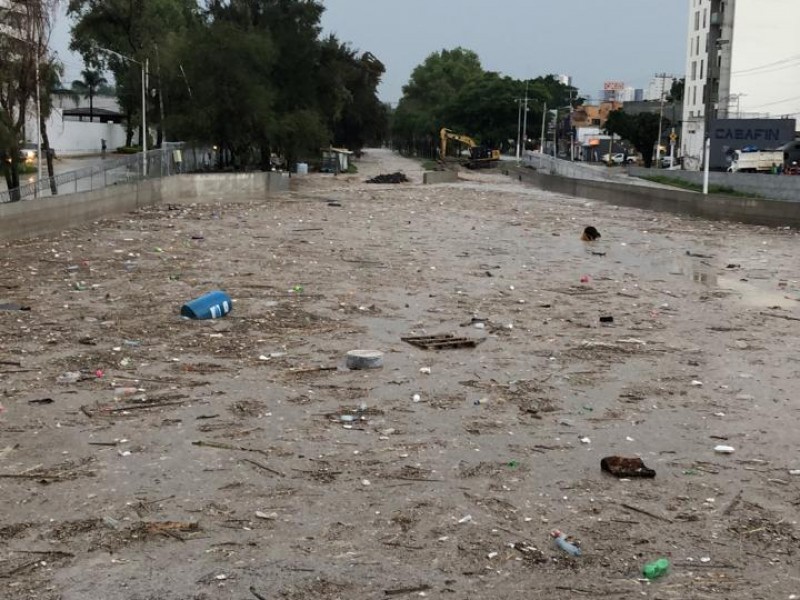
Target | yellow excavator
(480,157)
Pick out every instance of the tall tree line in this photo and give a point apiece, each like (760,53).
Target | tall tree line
(452,89)
(252,77)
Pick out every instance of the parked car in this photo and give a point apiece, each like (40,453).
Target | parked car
(619,158)
(27,153)
(667,162)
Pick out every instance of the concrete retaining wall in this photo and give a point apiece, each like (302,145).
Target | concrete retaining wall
(432,177)
(52,214)
(755,211)
(779,187)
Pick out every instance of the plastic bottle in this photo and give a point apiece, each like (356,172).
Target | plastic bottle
(561,542)
(656,569)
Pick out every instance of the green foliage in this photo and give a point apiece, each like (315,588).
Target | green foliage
(677,90)
(696,187)
(26,169)
(251,77)
(640,130)
(451,89)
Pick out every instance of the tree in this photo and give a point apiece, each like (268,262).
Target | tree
(348,96)
(50,81)
(432,86)
(24,29)
(676,90)
(640,130)
(132,28)
(228,100)
(92,80)
(451,89)
(252,77)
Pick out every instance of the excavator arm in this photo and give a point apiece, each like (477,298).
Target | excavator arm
(479,156)
(445,134)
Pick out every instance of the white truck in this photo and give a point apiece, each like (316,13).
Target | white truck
(755,162)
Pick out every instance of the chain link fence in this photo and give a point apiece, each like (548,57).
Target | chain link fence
(172,158)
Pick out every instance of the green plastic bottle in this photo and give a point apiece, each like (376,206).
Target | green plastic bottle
(656,569)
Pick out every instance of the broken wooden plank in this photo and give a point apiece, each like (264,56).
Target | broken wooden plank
(441,341)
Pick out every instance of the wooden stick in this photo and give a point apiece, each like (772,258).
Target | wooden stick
(142,406)
(265,467)
(645,512)
(733,503)
(411,590)
(787,317)
(256,594)
(221,446)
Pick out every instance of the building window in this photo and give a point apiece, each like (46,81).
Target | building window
(705,16)
(702,64)
(694,70)
(697,20)
(694,96)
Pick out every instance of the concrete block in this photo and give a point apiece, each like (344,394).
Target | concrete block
(433,177)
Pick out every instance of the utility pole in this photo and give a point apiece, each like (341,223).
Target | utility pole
(161,97)
(711,88)
(525,120)
(38,121)
(541,140)
(519,123)
(663,77)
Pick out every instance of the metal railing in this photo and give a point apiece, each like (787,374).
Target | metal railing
(171,159)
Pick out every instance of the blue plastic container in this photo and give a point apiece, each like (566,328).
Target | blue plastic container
(212,305)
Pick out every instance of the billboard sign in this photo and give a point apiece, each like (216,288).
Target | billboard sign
(613,86)
(728,135)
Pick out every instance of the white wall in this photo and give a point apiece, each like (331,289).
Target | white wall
(79,137)
(765,33)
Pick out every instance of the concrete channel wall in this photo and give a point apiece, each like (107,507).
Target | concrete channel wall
(755,211)
(57,213)
(779,187)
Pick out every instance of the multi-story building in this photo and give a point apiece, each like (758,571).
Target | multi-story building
(742,61)
(659,87)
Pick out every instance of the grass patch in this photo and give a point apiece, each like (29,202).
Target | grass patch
(696,187)
(351,168)
(26,169)
(430,165)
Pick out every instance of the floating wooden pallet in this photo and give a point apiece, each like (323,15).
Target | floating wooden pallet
(444,341)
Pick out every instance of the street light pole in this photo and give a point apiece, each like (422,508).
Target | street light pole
(525,121)
(144,66)
(542,140)
(144,117)
(663,77)
(519,124)
(38,126)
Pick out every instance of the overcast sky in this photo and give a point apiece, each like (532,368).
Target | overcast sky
(594,41)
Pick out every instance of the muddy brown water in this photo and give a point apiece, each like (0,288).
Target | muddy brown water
(115,498)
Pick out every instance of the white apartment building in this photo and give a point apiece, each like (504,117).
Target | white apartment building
(742,61)
(659,85)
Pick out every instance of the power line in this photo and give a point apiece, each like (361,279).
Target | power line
(790,59)
(776,102)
